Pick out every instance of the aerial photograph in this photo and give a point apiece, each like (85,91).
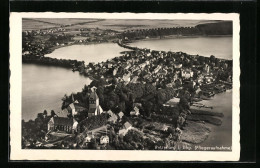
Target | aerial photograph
(127,84)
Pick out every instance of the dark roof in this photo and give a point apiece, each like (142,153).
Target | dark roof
(78,107)
(63,113)
(63,121)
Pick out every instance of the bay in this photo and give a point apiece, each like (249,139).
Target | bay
(220,135)
(220,47)
(88,53)
(44,86)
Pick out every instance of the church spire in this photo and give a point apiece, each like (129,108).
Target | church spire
(72,97)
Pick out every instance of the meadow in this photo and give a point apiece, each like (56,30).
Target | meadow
(113,24)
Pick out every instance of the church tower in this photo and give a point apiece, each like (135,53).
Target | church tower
(94,107)
(93,99)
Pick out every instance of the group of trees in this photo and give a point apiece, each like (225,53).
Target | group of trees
(220,28)
(160,32)
(120,97)
(93,122)
(60,38)
(133,140)
(52,61)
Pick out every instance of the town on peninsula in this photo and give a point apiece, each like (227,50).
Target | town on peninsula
(144,99)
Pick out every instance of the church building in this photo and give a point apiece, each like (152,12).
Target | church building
(94,107)
(68,125)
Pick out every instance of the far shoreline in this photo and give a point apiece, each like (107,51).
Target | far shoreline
(177,37)
(52,49)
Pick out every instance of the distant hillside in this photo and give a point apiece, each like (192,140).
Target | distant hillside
(220,28)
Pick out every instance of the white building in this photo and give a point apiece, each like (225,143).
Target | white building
(104,140)
(126,127)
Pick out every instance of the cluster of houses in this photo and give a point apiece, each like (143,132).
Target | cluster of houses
(162,69)
(66,121)
(43,31)
(37,50)
(36,46)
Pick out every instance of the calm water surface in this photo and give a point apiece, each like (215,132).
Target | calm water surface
(220,135)
(220,47)
(88,53)
(44,86)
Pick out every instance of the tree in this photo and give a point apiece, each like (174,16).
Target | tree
(217,62)
(84,89)
(121,107)
(212,58)
(184,104)
(94,83)
(147,105)
(100,93)
(136,89)
(45,112)
(40,116)
(149,89)
(110,104)
(170,130)
(123,97)
(53,113)
(201,60)
(114,81)
(92,144)
(161,97)
(65,102)
(149,144)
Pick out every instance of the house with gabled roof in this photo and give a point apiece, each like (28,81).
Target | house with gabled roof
(186,73)
(127,77)
(75,108)
(157,69)
(161,73)
(177,65)
(112,117)
(126,127)
(68,125)
(135,112)
(63,113)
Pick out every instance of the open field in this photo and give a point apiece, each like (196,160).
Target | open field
(66,21)
(114,24)
(43,23)
(32,24)
(132,24)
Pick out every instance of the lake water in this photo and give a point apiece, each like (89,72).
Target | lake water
(220,135)
(220,47)
(44,86)
(88,53)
